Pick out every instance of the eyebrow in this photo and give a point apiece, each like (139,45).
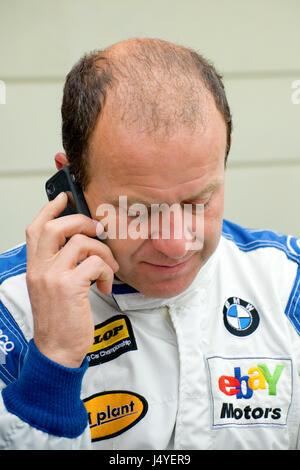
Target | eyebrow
(209,189)
(134,200)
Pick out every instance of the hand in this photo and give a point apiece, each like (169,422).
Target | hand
(58,285)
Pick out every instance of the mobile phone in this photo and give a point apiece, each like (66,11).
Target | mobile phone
(64,181)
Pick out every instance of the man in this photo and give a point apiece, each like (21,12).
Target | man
(173,347)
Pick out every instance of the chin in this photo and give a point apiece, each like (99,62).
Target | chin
(163,285)
(167,288)
(163,291)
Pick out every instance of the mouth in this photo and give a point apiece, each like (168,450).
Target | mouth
(167,268)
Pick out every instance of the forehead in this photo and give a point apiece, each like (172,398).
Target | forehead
(127,161)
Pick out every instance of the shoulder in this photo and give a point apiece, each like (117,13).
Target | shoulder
(13,262)
(250,239)
(274,258)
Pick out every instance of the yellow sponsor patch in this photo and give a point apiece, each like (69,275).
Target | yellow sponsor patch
(112,338)
(112,413)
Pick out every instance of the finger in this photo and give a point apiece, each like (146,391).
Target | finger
(55,233)
(50,210)
(94,268)
(80,247)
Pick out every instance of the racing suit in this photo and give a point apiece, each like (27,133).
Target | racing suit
(215,367)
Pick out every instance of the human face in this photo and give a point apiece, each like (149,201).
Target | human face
(186,167)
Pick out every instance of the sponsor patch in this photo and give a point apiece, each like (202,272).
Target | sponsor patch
(112,338)
(112,413)
(250,391)
(240,317)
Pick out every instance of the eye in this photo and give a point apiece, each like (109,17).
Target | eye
(203,204)
(206,204)
(138,211)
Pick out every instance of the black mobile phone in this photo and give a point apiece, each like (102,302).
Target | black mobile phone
(64,181)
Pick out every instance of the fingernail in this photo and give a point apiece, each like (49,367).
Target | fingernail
(116,266)
(99,228)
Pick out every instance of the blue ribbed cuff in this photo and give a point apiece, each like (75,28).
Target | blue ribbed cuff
(47,395)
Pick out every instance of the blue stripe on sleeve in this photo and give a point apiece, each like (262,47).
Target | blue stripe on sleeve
(13,347)
(13,262)
(251,239)
(293,306)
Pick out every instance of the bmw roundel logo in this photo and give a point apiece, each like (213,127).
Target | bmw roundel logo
(240,317)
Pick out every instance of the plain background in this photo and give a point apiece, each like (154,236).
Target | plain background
(254,44)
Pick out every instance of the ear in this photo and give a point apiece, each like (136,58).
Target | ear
(61,160)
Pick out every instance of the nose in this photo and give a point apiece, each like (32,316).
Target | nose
(168,234)
(172,248)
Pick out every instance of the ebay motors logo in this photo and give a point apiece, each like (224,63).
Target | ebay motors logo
(243,386)
(249,391)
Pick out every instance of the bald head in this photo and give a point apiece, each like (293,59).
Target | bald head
(156,87)
(147,84)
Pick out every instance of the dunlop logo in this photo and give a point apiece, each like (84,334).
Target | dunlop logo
(112,413)
(112,338)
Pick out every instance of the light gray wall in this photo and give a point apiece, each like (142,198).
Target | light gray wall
(254,44)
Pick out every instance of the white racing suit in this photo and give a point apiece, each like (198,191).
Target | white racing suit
(216,367)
